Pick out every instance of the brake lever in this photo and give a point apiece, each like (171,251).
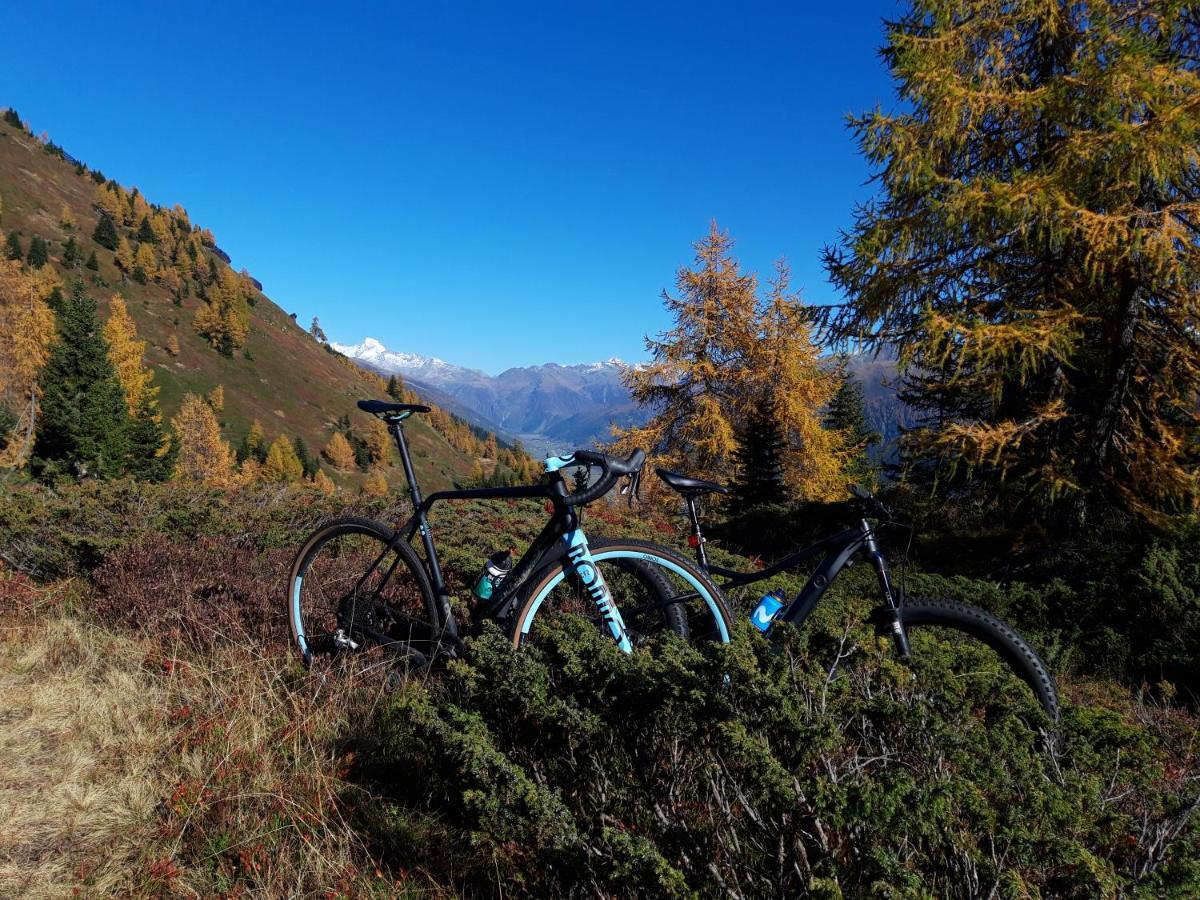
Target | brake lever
(632,487)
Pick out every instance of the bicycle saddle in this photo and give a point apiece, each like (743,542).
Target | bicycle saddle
(375,407)
(688,486)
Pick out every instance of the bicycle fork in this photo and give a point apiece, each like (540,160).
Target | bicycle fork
(593,582)
(895,623)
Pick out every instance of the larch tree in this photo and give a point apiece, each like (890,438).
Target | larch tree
(204,456)
(730,359)
(1034,251)
(339,452)
(124,256)
(126,353)
(84,423)
(323,482)
(66,219)
(378,440)
(145,261)
(282,464)
(173,344)
(26,333)
(216,399)
(375,484)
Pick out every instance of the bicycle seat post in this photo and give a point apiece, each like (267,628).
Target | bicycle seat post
(697,534)
(396,427)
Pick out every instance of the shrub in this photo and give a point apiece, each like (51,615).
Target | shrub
(573,770)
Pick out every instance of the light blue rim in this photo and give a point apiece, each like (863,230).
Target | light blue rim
(296,619)
(645,557)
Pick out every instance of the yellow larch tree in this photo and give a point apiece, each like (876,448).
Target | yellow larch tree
(282,463)
(126,352)
(26,333)
(145,260)
(323,482)
(204,456)
(173,344)
(216,399)
(375,485)
(339,452)
(124,256)
(733,363)
(67,219)
(378,440)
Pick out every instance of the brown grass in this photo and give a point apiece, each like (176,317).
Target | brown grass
(133,766)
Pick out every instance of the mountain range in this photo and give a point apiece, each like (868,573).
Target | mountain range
(549,408)
(556,408)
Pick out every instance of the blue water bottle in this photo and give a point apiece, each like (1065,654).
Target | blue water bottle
(768,607)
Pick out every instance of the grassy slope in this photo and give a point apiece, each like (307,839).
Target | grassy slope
(291,384)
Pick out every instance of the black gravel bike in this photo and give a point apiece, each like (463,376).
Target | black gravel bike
(360,595)
(913,624)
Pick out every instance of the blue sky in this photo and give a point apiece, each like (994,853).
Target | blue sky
(494,184)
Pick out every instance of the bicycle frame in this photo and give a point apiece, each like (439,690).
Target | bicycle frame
(562,536)
(839,549)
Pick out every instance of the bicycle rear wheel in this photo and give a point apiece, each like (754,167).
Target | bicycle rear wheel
(988,659)
(654,589)
(359,600)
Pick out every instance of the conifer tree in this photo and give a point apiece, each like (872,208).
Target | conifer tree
(378,441)
(1034,253)
(375,484)
(26,331)
(339,452)
(759,478)
(216,399)
(317,331)
(84,423)
(124,256)
(323,482)
(145,262)
(106,232)
(253,445)
(71,254)
(847,413)
(152,452)
(282,464)
(39,253)
(145,234)
(308,464)
(729,356)
(93,263)
(126,353)
(395,388)
(173,344)
(66,219)
(13,247)
(203,456)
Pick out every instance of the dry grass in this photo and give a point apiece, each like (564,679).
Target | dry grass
(80,740)
(131,768)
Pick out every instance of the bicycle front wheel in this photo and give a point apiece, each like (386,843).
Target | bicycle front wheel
(360,600)
(654,589)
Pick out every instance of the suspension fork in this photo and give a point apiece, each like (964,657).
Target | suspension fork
(875,555)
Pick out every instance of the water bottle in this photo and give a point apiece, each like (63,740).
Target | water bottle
(768,607)
(494,571)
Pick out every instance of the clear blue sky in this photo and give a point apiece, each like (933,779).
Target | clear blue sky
(496,184)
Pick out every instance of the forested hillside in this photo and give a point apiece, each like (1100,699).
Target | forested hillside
(206,322)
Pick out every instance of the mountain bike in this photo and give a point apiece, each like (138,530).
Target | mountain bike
(361,596)
(916,626)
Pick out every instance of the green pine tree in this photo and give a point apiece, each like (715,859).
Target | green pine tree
(139,275)
(84,425)
(145,234)
(395,388)
(151,455)
(39,253)
(11,117)
(71,253)
(847,413)
(309,464)
(93,263)
(106,233)
(760,478)
(13,245)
